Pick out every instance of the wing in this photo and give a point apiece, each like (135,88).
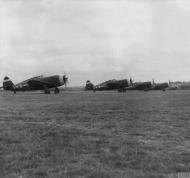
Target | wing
(33,78)
(39,84)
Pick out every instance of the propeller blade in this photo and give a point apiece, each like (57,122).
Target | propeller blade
(65,79)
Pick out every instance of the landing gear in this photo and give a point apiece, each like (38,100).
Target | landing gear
(122,90)
(46,90)
(56,91)
(14,91)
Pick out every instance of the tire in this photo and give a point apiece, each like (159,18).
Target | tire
(56,91)
(46,91)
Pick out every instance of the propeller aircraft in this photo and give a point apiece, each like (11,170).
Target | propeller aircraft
(147,86)
(36,83)
(119,85)
(139,85)
(158,86)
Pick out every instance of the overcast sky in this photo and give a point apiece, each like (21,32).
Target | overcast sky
(95,39)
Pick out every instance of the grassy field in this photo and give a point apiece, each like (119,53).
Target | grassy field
(95,135)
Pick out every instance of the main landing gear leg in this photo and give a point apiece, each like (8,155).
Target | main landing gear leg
(122,90)
(46,90)
(56,91)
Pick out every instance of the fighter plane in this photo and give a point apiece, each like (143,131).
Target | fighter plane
(139,85)
(119,85)
(158,86)
(36,83)
(147,86)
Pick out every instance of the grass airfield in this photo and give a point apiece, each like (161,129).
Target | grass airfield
(95,135)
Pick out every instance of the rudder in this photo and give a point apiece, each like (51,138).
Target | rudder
(89,85)
(8,84)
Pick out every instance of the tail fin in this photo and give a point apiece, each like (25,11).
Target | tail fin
(8,84)
(89,85)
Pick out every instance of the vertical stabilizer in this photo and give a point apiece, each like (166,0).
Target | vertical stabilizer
(89,85)
(8,84)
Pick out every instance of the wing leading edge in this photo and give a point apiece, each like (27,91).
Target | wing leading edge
(39,84)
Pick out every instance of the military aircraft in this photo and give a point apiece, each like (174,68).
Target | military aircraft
(185,86)
(119,85)
(139,85)
(173,86)
(147,86)
(158,86)
(179,85)
(36,83)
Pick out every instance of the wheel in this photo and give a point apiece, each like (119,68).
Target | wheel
(123,90)
(14,91)
(56,91)
(46,90)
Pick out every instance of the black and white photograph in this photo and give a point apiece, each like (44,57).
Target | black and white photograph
(94,89)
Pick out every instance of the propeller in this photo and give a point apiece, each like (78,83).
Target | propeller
(153,82)
(131,81)
(65,79)
(169,83)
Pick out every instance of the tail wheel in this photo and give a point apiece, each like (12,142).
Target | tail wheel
(56,91)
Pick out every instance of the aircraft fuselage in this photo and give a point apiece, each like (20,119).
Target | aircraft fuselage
(36,83)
